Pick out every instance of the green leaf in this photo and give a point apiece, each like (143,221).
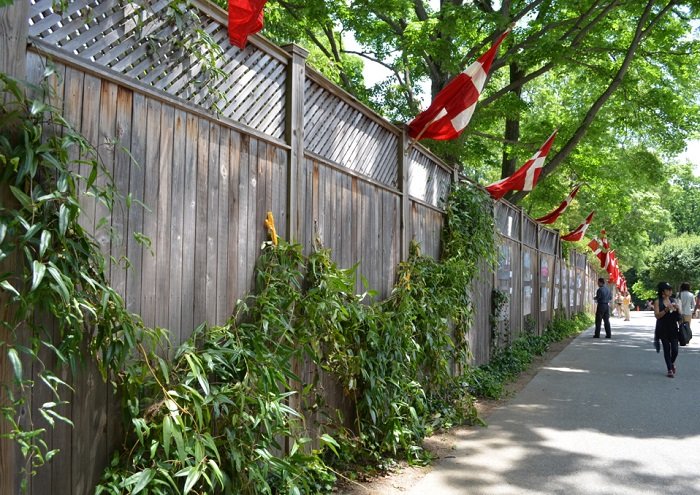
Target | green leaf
(16,363)
(24,200)
(167,434)
(192,479)
(44,242)
(38,271)
(37,107)
(62,288)
(197,372)
(217,471)
(140,480)
(63,220)
(329,441)
(8,287)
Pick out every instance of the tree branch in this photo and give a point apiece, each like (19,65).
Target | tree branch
(640,33)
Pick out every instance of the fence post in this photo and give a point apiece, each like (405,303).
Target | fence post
(402,170)
(14,27)
(294,132)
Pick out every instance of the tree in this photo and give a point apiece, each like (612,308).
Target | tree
(676,260)
(608,61)
(616,77)
(684,200)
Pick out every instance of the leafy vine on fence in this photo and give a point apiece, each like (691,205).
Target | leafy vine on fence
(60,270)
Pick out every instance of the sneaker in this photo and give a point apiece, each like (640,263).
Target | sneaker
(669,374)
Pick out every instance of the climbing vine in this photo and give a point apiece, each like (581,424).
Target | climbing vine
(56,270)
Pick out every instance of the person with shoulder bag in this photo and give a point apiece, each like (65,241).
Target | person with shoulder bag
(666,313)
(687,304)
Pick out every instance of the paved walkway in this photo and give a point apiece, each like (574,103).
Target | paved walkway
(602,418)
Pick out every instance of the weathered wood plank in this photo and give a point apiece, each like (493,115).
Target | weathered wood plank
(243,216)
(200,227)
(261,207)
(13,38)
(223,309)
(212,225)
(234,244)
(150,219)
(164,228)
(122,166)
(177,223)
(311,205)
(137,178)
(189,224)
(106,148)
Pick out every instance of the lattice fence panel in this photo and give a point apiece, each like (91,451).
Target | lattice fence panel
(426,180)
(140,40)
(336,130)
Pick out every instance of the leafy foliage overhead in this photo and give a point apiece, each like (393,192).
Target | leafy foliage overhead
(616,77)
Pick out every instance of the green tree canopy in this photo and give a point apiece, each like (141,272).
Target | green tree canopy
(676,260)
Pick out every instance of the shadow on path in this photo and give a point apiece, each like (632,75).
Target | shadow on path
(601,418)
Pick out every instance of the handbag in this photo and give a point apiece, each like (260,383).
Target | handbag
(685,334)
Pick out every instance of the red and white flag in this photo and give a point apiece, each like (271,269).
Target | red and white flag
(245,17)
(525,178)
(604,239)
(578,233)
(450,111)
(552,216)
(595,246)
(612,267)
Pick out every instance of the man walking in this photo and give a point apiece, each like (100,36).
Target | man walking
(602,311)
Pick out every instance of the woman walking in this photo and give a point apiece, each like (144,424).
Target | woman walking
(666,312)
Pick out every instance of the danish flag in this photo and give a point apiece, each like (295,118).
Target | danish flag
(578,233)
(245,17)
(452,109)
(595,246)
(552,216)
(525,178)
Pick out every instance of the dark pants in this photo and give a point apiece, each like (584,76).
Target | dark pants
(602,313)
(670,352)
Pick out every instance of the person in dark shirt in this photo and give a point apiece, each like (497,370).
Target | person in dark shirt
(602,311)
(666,312)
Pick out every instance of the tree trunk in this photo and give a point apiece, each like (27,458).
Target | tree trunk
(512,131)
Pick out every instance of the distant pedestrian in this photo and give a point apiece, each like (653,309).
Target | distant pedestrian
(626,302)
(687,302)
(618,305)
(666,312)
(602,310)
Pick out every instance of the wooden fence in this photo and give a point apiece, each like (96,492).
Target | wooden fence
(284,140)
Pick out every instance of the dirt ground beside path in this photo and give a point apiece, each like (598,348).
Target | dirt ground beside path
(442,445)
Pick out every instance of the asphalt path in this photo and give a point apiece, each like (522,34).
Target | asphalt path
(601,418)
